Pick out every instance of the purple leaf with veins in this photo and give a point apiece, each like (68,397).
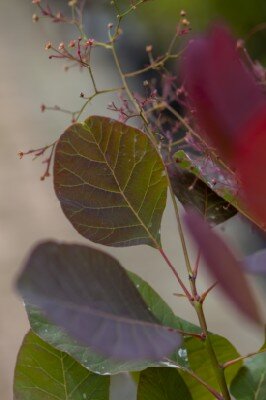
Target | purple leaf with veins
(88,294)
(223,265)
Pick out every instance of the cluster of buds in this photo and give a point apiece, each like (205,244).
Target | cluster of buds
(47,12)
(124,111)
(36,153)
(82,56)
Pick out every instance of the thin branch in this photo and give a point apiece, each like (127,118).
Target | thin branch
(236,360)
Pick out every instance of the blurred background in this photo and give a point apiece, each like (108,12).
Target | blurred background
(29,211)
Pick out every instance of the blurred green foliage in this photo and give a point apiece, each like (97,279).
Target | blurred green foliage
(242,16)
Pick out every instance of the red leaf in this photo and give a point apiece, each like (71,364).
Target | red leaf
(221,89)
(251,164)
(223,265)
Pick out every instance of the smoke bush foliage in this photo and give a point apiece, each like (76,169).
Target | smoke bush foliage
(199,137)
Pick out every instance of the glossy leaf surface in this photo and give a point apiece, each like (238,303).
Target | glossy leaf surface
(89,295)
(162,384)
(223,183)
(250,382)
(111,183)
(44,373)
(99,364)
(223,265)
(199,362)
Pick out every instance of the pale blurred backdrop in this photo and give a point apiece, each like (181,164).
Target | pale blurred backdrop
(29,211)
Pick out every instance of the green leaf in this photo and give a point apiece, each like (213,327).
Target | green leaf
(44,373)
(162,384)
(89,294)
(111,183)
(195,193)
(99,364)
(250,381)
(200,364)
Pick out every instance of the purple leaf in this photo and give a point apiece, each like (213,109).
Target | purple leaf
(223,265)
(256,263)
(89,295)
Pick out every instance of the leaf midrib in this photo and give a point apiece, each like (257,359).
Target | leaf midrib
(157,245)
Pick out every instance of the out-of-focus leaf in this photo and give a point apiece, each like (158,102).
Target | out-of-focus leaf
(99,364)
(89,295)
(111,183)
(223,265)
(250,381)
(44,373)
(256,263)
(222,90)
(195,193)
(251,164)
(200,363)
(162,384)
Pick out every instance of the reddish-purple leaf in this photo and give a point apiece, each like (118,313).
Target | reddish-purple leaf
(221,89)
(88,294)
(223,265)
(251,164)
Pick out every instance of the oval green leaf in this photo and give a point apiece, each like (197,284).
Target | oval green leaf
(111,183)
(250,381)
(200,364)
(44,373)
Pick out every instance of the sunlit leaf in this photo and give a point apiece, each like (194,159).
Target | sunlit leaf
(200,363)
(111,182)
(89,295)
(100,364)
(162,384)
(250,382)
(223,265)
(44,373)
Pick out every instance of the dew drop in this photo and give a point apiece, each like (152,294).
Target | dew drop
(182,353)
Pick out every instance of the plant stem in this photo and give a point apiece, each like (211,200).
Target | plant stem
(217,368)
(202,382)
(180,231)
(236,360)
(197,378)
(188,295)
